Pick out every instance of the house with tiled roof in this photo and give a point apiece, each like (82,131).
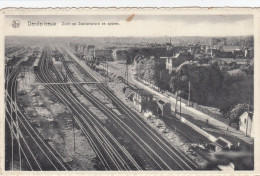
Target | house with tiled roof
(246,124)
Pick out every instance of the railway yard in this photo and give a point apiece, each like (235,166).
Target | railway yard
(63,115)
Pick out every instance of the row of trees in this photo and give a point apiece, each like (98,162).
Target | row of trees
(209,85)
(212,87)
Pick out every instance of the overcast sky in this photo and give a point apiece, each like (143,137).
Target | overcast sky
(141,25)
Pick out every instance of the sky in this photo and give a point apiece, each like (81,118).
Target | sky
(139,26)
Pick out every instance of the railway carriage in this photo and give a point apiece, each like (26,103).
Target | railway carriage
(25,61)
(36,65)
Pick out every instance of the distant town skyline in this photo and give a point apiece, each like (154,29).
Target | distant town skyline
(139,26)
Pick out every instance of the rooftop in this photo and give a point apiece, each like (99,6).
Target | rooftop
(182,54)
(232,48)
(142,92)
(250,114)
(161,102)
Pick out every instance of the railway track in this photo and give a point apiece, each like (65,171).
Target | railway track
(37,154)
(147,139)
(111,154)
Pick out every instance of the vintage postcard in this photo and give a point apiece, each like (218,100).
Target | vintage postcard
(158,91)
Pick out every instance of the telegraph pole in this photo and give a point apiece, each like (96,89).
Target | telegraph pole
(177,94)
(73,129)
(126,73)
(105,71)
(189,95)
(180,90)
(18,133)
(105,66)
(19,145)
(247,117)
(180,105)
(12,138)
(126,69)
(23,75)
(176,103)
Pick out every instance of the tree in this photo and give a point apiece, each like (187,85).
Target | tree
(140,66)
(150,71)
(173,82)
(205,82)
(164,78)
(236,88)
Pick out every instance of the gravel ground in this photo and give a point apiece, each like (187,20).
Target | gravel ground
(158,124)
(172,137)
(60,131)
(54,123)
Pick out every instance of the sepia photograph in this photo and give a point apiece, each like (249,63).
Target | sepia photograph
(128,91)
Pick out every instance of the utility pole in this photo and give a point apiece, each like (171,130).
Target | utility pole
(189,95)
(23,75)
(126,72)
(180,90)
(18,132)
(178,93)
(176,103)
(105,66)
(19,145)
(105,71)
(73,129)
(12,138)
(247,117)
(180,105)
(160,80)
(126,69)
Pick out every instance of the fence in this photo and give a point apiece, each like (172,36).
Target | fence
(208,112)
(148,84)
(196,128)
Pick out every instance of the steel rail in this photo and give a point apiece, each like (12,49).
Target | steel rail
(133,116)
(113,139)
(68,104)
(47,78)
(18,140)
(127,154)
(28,147)
(64,100)
(14,74)
(113,115)
(38,137)
(109,144)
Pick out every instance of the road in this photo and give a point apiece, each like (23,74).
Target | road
(188,112)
